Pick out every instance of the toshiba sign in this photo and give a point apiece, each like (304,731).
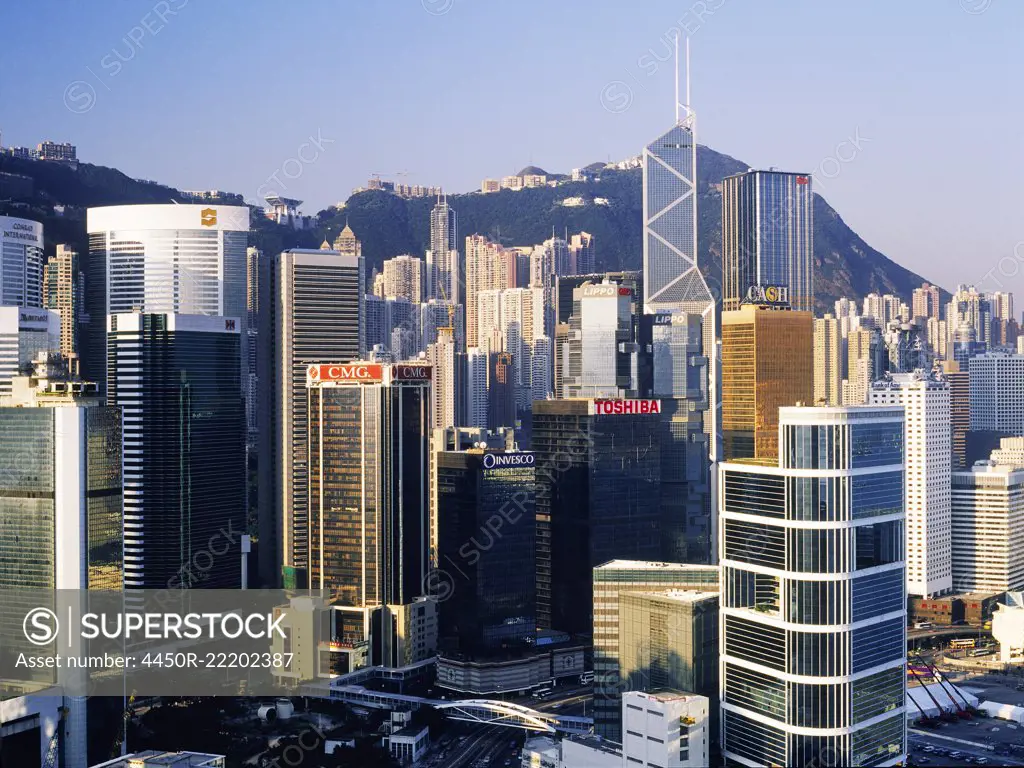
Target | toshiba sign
(355,372)
(617,407)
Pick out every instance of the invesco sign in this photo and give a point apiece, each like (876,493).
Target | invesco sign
(768,294)
(502,460)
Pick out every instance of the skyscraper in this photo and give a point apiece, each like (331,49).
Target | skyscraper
(926,302)
(997,393)
(928,456)
(672,280)
(61,520)
(60,485)
(486,544)
(313,312)
(368,547)
(599,354)
(489,266)
(369,526)
(959,409)
(164,259)
(768,236)
(599,468)
(612,581)
(863,364)
(828,361)
(677,374)
(176,379)
(21,262)
(403,278)
(443,273)
(64,292)
(988,518)
(813,642)
(767,363)
(25,333)
(582,260)
(253,257)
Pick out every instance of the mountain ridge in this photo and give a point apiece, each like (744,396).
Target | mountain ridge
(388,225)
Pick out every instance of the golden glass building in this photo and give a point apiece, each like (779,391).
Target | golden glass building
(767,363)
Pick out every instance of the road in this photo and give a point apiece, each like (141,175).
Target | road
(921,741)
(492,744)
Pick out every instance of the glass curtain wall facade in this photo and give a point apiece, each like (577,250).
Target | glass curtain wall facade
(486,536)
(813,601)
(598,486)
(768,236)
(176,378)
(674,284)
(612,580)
(369,533)
(767,363)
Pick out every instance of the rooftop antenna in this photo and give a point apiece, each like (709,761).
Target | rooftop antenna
(677,76)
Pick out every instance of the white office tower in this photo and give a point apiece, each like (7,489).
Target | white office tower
(813,613)
(165,259)
(667,729)
(997,393)
(21,262)
(988,523)
(600,352)
(476,388)
(928,455)
(25,333)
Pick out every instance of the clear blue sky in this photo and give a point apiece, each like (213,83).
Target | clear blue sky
(222,94)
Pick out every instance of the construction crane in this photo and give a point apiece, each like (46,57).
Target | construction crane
(51,751)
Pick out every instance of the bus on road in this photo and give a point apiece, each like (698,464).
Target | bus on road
(962,643)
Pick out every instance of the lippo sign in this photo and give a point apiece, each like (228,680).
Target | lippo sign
(624,407)
(354,372)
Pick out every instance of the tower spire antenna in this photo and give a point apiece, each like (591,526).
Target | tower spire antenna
(677,76)
(687,72)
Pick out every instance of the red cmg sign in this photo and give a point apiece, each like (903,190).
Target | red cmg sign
(354,372)
(617,407)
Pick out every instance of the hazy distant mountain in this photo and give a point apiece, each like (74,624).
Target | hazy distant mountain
(608,206)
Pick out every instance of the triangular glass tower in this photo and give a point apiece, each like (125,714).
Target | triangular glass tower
(673,282)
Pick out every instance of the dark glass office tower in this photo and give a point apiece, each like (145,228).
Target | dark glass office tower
(486,536)
(369,531)
(768,236)
(675,370)
(598,486)
(176,377)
